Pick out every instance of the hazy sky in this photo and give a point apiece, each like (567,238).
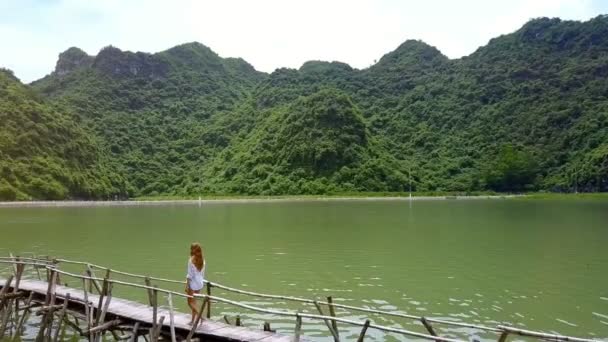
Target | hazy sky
(267,33)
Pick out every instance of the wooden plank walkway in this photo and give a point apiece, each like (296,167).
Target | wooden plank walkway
(131,311)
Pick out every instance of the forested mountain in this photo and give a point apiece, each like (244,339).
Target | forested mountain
(528,111)
(44,153)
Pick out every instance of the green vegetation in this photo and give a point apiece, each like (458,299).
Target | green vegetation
(44,153)
(527,112)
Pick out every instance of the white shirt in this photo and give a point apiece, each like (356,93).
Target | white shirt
(196,277)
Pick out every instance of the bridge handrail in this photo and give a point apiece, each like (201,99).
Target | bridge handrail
(290,298)
(268,311)
(51,265)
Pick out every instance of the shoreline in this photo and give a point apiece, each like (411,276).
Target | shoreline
(160,202)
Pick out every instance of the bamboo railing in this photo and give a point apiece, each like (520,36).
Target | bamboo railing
(52,268)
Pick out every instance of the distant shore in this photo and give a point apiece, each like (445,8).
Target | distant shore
(225,200)
(158,201)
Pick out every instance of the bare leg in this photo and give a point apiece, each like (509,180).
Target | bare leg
(192,305)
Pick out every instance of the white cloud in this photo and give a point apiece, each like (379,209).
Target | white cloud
(267,33)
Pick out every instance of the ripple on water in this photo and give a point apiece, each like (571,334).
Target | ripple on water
(600,315)
(566,322)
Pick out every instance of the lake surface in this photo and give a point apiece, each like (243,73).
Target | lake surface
(538,264)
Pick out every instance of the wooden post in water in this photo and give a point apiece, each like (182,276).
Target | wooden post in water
(238,321)
(51,311)
(102,293)
(66,300)
(106,304)
(135,332)
(6,304)
(171,323)
(87,305)
(327,323)
(154,301)
(150,294)
(4,299)
(209,301)
(298,329)
(332,312)
(503,336)
(363,331)
(49,300)
(428,327)
(267,327)
(26,313)
(93,281)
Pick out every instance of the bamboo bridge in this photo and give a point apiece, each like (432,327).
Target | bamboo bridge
(91,311)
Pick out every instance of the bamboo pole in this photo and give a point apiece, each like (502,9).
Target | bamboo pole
(87,305)
(103,327)
(332,312)
(503,336)
(328,323)
(149,285)
(267,327)
(159,328)
(227,320)
(73,326)
(61,316)
(106,304)
(6,305)
(363,331)
(37,269)
(171,322)
(26,313)
(209,301)
(6,286)
(93,281)
(102,294)
(298,328)
(428,327)
(541,335)
(47,302)
(154,301)
(14,259)
(10,296)
(135,332)
(51,312)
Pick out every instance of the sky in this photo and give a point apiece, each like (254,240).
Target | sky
(269,34)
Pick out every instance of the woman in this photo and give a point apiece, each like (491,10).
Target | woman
(195,277)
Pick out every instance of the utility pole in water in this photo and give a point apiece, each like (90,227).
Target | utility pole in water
(410,178)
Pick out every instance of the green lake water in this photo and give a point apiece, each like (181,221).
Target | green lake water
(537,264)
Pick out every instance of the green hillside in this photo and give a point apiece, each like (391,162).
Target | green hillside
(45,154)
(528,111)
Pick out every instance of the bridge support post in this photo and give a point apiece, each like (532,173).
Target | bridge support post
(171,323)
(428,327)
(209,301)
(332,312)
(363,331)
(328,323)
(298,329)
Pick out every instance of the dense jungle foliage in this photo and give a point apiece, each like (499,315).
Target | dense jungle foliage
(44,153)
(528,111)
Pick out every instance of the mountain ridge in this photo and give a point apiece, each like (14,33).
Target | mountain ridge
(528,111)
